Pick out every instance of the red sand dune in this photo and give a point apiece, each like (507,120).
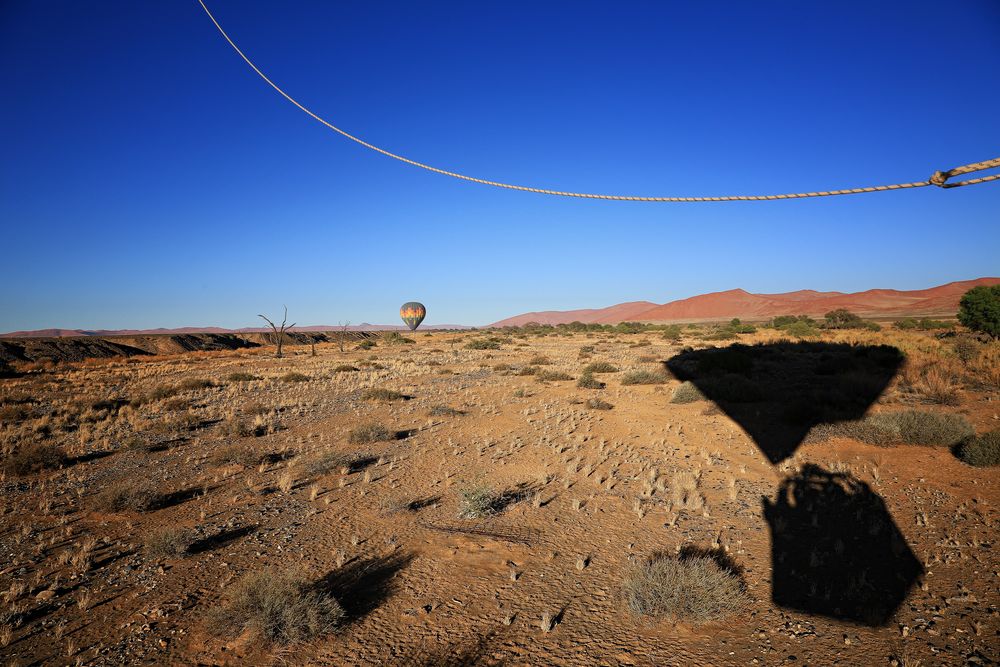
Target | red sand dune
(936,301)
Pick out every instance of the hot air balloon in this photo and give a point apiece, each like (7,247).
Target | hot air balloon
(412,313)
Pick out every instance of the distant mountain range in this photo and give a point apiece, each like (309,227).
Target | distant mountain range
(934,302)
(938,301)
(66,333)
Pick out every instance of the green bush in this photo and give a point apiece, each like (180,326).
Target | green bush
(800,330)
(672,332)
(979,309)
(981,450)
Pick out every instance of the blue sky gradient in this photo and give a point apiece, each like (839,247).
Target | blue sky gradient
(149,178)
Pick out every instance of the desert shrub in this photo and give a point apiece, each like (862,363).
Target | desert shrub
(239,454)
(294,377)
(396,338)
(923,324)
(912,427)
(345,368)
(326,462)
(685,587)
(967,349)
(528,370)
(843,319)
(933,383)
(127,496)
(588,381)
(644,377)
(239,427)
(379,394)
(29,458)
(587,349)
(482,344)
(477,502)
(6,370)
(672,333)
(194,384)
(980,450)
(168,542)
(242,376)
(979,309)
(733,359)
(801,330)
(369,433)
(731,388)
(13,414)
(598,404)
(600,367)
(366,344)
(157,393)
(278,606)
(720,334)
(687,392)
(444,411)
(540,360)
(552,376)
(647,359)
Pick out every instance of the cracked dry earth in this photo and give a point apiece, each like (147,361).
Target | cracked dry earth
(587,494)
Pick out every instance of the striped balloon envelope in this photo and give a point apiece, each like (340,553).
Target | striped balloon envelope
(412,313)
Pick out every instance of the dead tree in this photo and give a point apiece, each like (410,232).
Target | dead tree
(279,332)
(343,332)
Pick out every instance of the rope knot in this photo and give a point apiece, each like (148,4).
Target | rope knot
(940,178)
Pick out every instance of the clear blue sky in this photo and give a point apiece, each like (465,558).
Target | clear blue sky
(149,178)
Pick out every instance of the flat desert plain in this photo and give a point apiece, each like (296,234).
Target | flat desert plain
(460,498)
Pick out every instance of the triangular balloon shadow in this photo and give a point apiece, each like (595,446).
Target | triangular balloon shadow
(835,550)
(777,392)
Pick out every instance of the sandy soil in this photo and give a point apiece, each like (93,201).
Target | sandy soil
(589,493)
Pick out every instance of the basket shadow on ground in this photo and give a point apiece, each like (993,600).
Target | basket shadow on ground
(835,549)
(778,392)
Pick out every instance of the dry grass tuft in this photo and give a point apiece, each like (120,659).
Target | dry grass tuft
(169,542)
(687,392)
(912,427)
(644,377)
(29,458)
(373,432)
(981,450)
(600,367)
(385,395)
(127,497)
(686,587)
(278,606)
(598,404)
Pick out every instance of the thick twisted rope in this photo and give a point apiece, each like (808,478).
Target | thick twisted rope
(939,178)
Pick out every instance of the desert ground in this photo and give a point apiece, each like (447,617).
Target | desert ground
(458,498)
